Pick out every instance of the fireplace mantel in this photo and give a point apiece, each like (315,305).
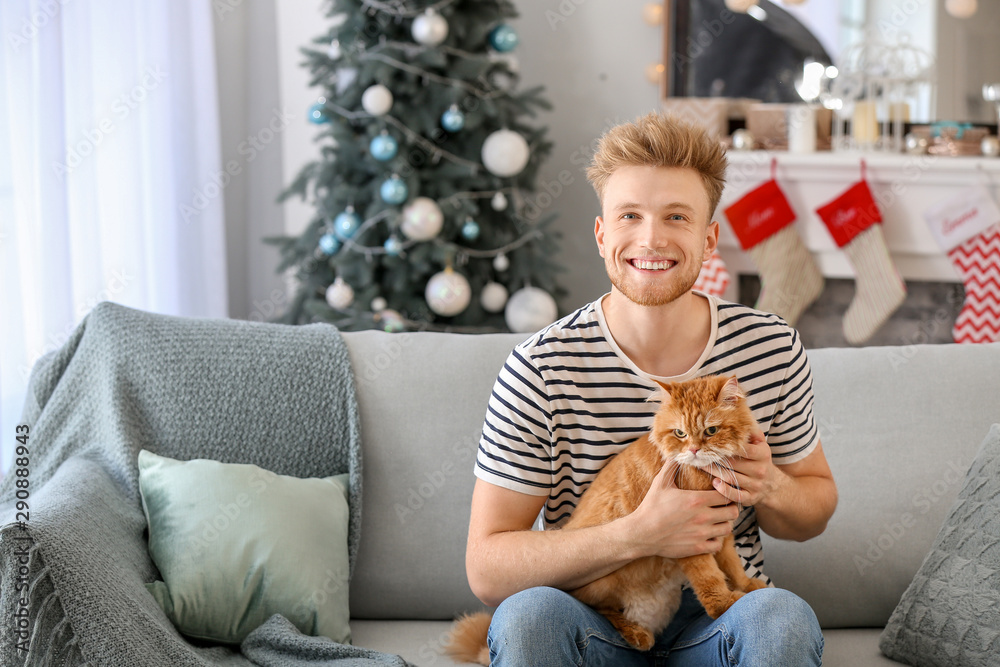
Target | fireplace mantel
(904,185)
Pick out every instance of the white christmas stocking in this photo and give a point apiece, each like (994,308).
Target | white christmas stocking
(789,278)
(854,222)
(965,226)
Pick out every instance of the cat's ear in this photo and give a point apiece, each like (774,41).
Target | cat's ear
(661,395)
(730,392)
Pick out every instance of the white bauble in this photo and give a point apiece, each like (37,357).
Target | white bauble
(429,29)
(530,309)
(339,295)
(448,293)
(422,219)
(505,153)
(378,304)
(961,9)
(501,263)
(494,297)
(377,100)
(499,201)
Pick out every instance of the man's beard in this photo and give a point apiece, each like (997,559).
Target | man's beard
(655,296)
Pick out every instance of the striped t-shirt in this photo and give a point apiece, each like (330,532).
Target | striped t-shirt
(568,399)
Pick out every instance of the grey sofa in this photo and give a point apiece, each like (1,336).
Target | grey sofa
(899,425)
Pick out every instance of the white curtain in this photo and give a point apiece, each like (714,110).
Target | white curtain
(110,172)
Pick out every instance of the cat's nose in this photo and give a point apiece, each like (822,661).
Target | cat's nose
(693,450)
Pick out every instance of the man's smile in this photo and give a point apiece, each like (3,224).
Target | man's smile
(651,264)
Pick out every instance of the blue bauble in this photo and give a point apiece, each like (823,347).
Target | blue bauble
(317,114)
(470,230)
(503,38)
(329,244)
(394,190)
(393,246)
(383,147)
(453,120)
(346,224)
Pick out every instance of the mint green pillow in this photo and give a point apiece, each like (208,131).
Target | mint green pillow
(236,544)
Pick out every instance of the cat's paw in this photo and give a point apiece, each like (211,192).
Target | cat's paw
(717,608)
(639,637)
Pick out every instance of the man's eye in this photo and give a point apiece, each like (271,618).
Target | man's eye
(628,216)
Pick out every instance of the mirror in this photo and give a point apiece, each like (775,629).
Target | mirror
(710,51)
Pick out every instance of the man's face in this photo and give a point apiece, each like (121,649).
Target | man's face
(655,232)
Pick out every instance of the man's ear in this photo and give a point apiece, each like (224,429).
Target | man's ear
(711,238)
(599,234)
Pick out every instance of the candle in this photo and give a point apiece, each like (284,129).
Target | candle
(864,126)
(801,123)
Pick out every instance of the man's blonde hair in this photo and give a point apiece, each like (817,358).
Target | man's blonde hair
(656,140)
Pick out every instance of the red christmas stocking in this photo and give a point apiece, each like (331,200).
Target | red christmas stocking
(965,226)
(714,278)
(789,278)
(854,222)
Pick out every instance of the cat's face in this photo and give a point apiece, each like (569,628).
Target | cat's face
(702,422)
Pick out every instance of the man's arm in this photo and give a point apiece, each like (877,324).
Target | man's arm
(504,556)
(793,501)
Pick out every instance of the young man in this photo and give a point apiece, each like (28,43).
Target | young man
(574,394)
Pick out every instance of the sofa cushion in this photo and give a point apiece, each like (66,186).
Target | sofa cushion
(899,426)
(950,613)
(236,543)
(422,399)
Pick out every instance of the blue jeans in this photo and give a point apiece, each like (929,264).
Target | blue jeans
(546,627)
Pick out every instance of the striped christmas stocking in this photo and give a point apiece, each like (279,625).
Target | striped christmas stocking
(789,278)
(854,222)
(714,278)
(966,227)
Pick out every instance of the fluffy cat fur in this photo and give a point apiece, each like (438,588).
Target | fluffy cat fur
(701,424)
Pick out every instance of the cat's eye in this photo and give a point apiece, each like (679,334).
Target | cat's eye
(679,433)
(711,430)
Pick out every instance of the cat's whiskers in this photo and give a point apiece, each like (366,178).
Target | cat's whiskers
(725,467)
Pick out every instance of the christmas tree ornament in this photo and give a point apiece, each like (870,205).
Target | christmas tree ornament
(743,140)
(499,201)
(453,119)
(393,246)
(470,230)
(429,29)
(383,147)
(346,223)
(390,321)
(762,222)
(377,100)
(448,293)
(501,263)
(378,303)
(329,243)
(530,309)
(505,153)
(967,227)
(990,146)
(854,222)
(422,219)
(339,294)
(961,9)
(317,113)
(503,38)
(394,190)
(493,297)
(714,277)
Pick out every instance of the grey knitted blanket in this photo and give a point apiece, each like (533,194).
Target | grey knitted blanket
(277,396)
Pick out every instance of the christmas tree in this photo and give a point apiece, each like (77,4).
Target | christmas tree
(425,210)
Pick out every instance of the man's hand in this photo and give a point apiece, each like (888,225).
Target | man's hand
(675,523)
(754,478)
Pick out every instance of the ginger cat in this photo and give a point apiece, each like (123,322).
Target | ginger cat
(701,424)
